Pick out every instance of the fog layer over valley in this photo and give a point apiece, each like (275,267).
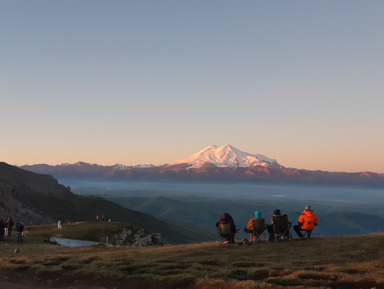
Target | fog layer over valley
(342,210)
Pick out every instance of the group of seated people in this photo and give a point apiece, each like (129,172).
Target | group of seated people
(279,228)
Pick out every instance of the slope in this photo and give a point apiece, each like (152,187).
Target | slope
(323,262)
(40,199)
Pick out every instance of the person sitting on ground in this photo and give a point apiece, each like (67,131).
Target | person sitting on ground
(279,225)
(307,222)
(249,228)
(227,219)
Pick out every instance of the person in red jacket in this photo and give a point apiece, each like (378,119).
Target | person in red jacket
(307,222)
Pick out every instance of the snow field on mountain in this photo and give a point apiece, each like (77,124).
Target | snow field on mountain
(225,156)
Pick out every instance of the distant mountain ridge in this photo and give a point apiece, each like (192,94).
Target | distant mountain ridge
(225,163)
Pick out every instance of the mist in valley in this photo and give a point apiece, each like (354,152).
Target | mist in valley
(342,210)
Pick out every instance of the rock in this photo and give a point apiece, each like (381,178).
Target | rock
(122,238)
(146,239)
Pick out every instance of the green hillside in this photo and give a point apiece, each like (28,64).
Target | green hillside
(321,263)
(80,208)
(40,199)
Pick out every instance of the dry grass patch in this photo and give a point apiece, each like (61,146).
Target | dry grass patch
(319,263)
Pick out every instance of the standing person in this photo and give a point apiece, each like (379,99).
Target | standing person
(2,226)
(59,224)
(227,219)
(19,230)
(10,226)
(307,222)
(6,227)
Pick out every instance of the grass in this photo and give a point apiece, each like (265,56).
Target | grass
(324,262)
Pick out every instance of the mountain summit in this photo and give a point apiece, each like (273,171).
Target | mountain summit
(225,156)
(210,164)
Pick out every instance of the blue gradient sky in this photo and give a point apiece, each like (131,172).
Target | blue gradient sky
(156,81)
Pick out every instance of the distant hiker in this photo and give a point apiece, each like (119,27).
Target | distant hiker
(227,219)
(307,222)
(2,226)
(102,218)
(97,217)
(9,226)
(20,231)
(59,224)
(6,227)
(250,227)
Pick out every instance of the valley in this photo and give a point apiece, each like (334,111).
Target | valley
(342,210)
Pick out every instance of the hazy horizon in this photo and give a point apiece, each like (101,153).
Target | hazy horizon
(139,82)
(333,195)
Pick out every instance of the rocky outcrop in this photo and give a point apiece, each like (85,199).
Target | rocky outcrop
(135,238)
(22,182)
(11,206)
(142,239)
(20,189)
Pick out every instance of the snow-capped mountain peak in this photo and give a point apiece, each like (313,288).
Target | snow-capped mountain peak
(225,156)
(121,167)
(144,166)
(83,164)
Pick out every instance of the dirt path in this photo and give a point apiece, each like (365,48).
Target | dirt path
(10,280)
(25,284)
(13,285)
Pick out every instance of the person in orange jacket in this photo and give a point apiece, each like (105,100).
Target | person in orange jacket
(249,227)
(307,222)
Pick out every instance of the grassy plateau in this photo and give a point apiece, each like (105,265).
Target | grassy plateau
(322,262)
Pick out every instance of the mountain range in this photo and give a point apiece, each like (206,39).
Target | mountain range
(210,164)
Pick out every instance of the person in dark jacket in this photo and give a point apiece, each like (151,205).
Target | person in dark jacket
(9,226)
(19,231)
(227,219)
(279,226)
(2,226)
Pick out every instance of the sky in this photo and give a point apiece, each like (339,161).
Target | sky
(146,81)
